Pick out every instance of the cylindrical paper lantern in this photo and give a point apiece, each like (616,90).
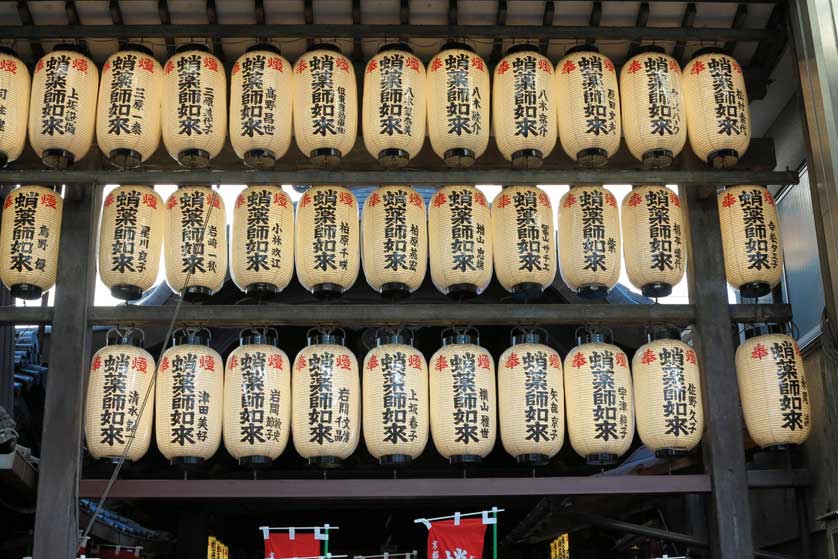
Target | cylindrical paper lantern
(395,233)
(260,106)
(524,239)
(29,239)
(62,111)
(458,105)
(589,114)
(190,394)
(462,396)
(599,400)
(667,392)
(120,399)
(14,105)
(394,105)
(653,239)
(774,391)
(325,105)
(460,241)
(257,399)
(751,239)
(395,401)
(716,102)
(130,238)
(589,241)
(326,392)
(326,240)
(195,242)
(128,118)
(263,240)
(194,106)
(654,123)
(524,107)
(531,399)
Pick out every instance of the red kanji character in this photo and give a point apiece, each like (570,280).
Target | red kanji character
(610,200)
(697,67)
(634,67)
(796,349)
(342,63)
(480,199)
(275,361)
(674,200)
(568,67)
(8,202)
(211,63)
(234,362)
(441,363)
(80,64)
(239,201)
(512,360)
(635,199)
(49,201)
(280,200)
(9,66)
(545,66)
(236,68)
(169,67)
(140,364)
(374,199)
(275,62)
(413,63)
(372,66)
(569,201)
(97,362)
(343,362)
(759,352)
(346,199)
(171,202)
(673,66)
(415,200)
(207,362)
(214,200)
(40,66)
(301,67)
(106,67)
(609,65)
(150,200)
(691,357)
(414,361)
(305,201)
(503,67)
(164,365)
(554,361)
(503,201)
(436,64)
(109,201)
(648,357)
(769,199)
(301,363)
(440,199)
(483,361)
(737,68)
(621,359)
(543,199)
(372,362)
(477,63)
(729,200)
(578,360)
(146,64)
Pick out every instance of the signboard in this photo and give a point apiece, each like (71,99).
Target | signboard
(560,547)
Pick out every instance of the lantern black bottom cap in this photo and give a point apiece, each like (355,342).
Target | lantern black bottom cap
(125,158)
(325,157)
(532,459)
(4,159)
(657,289)
(327,291)
(395,460)
(592,158)
(196,293)
(462,291)
(527,159)
(459,158)
(194,158)
(723,158)
(259,158)
(393,158)
(779,447)
(464,459)
(57,158)
(255,461)
(754,290)
(261,289)
(126,292)
(671,452)
(395,290)
(528,288)
(325,462)
(186,462)
(593,291)
(601,459)
(657,159)
(114,460)
(26,291)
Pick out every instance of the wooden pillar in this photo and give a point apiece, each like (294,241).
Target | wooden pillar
(7,341)
(724,455)
(56,519)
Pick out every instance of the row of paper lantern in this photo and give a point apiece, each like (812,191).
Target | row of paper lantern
(259,398)
(533,103)
(516,238)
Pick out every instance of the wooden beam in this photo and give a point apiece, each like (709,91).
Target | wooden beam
(26,19)
(212,19)
(547,21)
(165,20)
(686,23)
(497,46)
(641,21)
(738,23)
(74,21)
(724,453)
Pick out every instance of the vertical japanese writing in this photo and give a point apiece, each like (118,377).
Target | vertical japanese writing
(759,235)
(533,238)
(793,391)
(606,422)
(252,415)
(328,104)
(465,394)
(400,243)
(258,231)
(463,102)
(258,102)
(679,397)
(537,397)
(124,242)
(184,400)
(664,238)
(467,239)
(395,399)
(198,254)
(325,239)
(530,113)
(396,103)
(192,119)
(663,102)
(730,106)
(127,99)
(9,66)
(321,398)
(599,101)
(595,245)
(114,429)
(23,233)
(59,114)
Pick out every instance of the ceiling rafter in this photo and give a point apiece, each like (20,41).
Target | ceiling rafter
(166,19)
(26,19)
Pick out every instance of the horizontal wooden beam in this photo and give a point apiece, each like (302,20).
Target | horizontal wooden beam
(777,479)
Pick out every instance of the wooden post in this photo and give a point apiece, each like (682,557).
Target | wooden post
(724,453)
(7,342)
(56,519)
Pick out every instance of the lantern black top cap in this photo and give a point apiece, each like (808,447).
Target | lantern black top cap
(586,47)
(390,338)
(191,336)
(396,46)
(709,50)
(643,49)
(263,46)
(70,47)
(192,46)
(321,338)
(460,339)
(254,338)
(9,51)
(138,48)
(521,48)
(456,45)
(325,46)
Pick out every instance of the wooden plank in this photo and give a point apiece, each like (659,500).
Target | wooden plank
(56,521)
(26,315)
(774,479)
(724,454)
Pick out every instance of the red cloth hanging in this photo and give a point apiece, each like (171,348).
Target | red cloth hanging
(281,546)
(448,541)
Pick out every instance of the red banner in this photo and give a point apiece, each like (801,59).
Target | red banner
(447,541)
(281,546)
(111,553)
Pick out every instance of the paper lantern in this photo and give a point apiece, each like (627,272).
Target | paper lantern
(194,106)
(395,254)
(395,401)
(394,105)
(262,250)
(589,118)
(325,105)
(14,105)
(653,239)
(257,399)
(120,399)
(524,107)
(589,241)
(667,392)
(599,400)
(524,239)
(326,240)
(130,238)
(62,110)
(460,237)
(774,391)
(326,405)
(195,242)
(458,105)
(260,106)
(751,241)
(654,123)
(716,102)
(29,239)
(462,396)
(190,394)
(531,399)
(128,116)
